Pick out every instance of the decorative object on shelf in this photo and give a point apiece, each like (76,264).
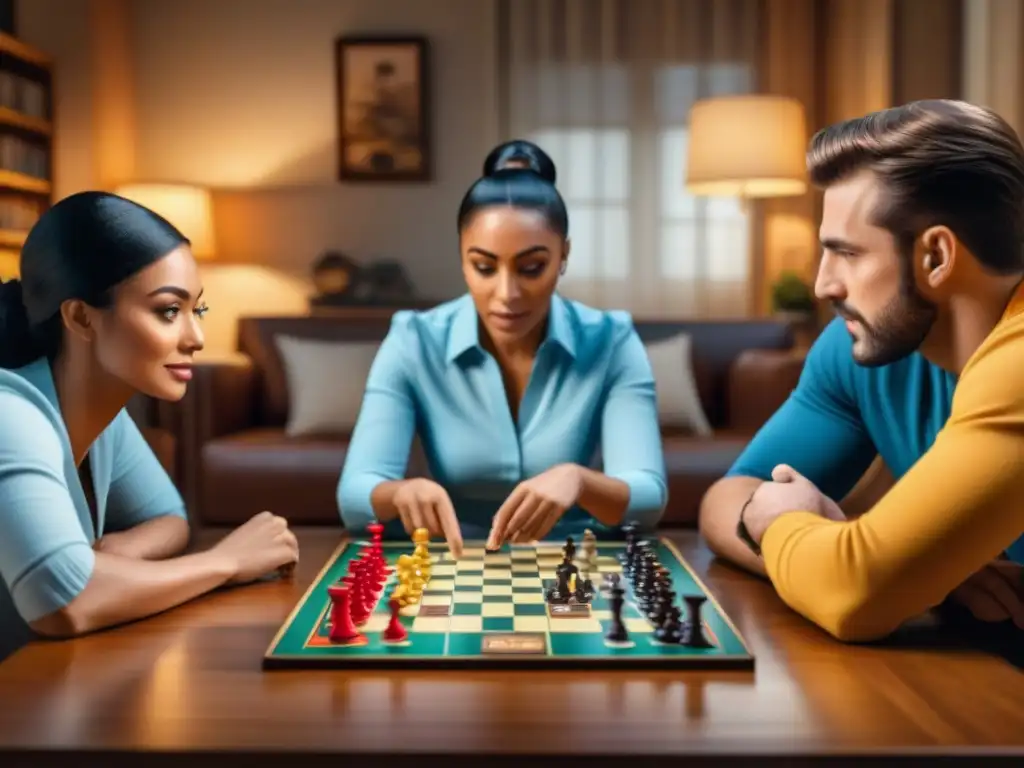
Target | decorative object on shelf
(383,110)
(336,276)
(26,146)
(342,282)
(386,282)
(187,207)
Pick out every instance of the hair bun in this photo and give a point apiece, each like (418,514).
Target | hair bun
(521,154)
(16,344)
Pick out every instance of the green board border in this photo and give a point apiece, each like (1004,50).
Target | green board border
(287,650)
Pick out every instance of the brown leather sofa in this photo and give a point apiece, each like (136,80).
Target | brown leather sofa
(234,458)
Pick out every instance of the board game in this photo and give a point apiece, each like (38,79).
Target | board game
(387,604)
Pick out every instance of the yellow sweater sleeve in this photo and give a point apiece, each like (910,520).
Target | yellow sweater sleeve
(958,508)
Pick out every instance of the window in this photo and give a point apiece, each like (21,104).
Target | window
(594,179)
(701,238)
(621,158)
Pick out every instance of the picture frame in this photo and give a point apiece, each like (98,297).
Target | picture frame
(384,110)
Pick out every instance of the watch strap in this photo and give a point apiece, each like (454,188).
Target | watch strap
(743,532)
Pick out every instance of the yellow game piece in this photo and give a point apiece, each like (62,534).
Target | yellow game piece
(421,536)
(404,566)
(401,593)
(423,566)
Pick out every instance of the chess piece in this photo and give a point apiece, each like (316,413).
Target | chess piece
(616,600)
(570,549)
(693,631)
(342,629)
(395,632)
(584,586)
(671,628)
(559,593)
(421,552)
(628,554)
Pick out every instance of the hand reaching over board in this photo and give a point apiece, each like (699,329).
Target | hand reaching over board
(535,505)
(422,503)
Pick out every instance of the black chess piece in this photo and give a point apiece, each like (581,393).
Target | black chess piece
(588,589)
(643,580)
(693,631)
(636,563)
(665,575)
(583,594)
(559,592)
(671,628)
(661,605)
(570,548)
(616,600)
(626,556)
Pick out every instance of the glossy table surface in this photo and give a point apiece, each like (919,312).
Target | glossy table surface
(190,681)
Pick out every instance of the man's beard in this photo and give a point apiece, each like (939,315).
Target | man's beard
(899,331)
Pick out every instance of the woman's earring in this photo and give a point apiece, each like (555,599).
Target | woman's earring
(564,265)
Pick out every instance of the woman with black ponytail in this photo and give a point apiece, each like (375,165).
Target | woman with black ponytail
(511,389)
(107,306)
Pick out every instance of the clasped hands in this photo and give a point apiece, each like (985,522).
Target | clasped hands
(992,594)
(528,514)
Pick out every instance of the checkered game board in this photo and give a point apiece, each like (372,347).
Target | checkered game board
(489,609)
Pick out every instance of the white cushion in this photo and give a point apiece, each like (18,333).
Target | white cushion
(679,402)
(326,382)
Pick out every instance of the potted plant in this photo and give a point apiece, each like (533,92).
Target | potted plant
(793,299)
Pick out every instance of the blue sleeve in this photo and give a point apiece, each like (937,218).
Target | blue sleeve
(140,488)
(631,433)
(45,558)
(383,434)
(818,430)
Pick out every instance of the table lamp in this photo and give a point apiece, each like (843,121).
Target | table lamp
(187,207)
(747,147)
(750,146)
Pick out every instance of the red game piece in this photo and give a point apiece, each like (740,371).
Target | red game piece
(342,629)
(358,605)
(395,631)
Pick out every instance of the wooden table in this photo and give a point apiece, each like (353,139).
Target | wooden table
(189,683)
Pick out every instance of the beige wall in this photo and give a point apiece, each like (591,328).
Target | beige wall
(994,56)
(240,95)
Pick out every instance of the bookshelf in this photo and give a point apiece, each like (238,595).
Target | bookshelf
(26,145)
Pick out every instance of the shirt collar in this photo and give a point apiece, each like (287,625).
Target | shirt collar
(465,329)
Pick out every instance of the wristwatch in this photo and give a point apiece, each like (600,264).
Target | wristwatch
(743,533)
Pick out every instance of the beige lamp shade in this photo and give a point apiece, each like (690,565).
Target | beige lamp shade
(747,146)
(187,207)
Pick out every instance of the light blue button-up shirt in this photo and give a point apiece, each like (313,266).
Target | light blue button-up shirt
(590,400)
(46,528)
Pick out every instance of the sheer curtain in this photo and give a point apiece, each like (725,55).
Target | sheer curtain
(605,86)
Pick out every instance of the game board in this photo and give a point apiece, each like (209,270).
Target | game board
(490,610)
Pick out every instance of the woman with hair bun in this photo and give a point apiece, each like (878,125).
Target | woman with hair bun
(107,306)
(511,389)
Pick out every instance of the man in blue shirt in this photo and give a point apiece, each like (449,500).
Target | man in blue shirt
(838,419)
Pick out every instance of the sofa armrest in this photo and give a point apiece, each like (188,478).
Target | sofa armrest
(221,399)
(760,380)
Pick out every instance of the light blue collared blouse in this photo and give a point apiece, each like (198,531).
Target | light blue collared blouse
(590,400)
(46,528)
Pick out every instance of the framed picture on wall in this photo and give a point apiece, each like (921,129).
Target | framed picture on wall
(383,109)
